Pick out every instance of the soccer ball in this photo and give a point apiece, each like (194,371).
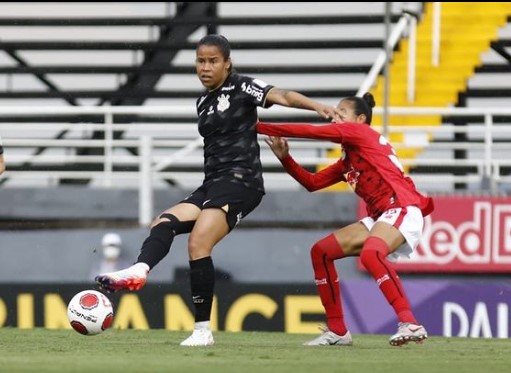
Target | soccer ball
(90,312)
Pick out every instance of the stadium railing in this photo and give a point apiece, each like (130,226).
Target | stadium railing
(156,155)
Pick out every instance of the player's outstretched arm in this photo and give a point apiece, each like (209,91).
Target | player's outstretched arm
(297,100)
(331,132)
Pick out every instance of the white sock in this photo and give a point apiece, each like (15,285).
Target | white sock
(202,325)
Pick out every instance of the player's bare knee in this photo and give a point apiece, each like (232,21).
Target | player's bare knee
(196,252)
(198,246)
(194,244)
(198,255)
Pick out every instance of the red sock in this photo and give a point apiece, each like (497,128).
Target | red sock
(323,254)
(373,258)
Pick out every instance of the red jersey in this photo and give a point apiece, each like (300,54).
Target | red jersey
(368,164)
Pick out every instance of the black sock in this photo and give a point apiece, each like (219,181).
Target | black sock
(157,245)
(202,280)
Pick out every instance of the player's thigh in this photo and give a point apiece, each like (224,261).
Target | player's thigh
(388,233)
(226,204)
(210,227)
(351,238)
(187,209)
(400,226)
(182,211)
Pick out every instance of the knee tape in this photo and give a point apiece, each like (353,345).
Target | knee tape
(175,224)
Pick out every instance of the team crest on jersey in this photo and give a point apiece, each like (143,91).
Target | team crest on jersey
(223,102)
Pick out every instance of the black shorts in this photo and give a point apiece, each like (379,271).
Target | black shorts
(236,200)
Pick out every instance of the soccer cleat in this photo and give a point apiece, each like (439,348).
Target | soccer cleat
(329,338)
(125,279)
(199,337)
(407,332)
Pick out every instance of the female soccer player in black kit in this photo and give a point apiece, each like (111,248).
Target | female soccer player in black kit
(233,183)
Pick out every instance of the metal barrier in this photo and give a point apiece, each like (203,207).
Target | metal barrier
(173,150)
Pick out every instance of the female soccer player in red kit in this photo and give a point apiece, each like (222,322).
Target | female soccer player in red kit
(395,213)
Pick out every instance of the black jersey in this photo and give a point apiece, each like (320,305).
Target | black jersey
(227,122)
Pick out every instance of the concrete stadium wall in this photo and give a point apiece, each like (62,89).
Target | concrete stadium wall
(75,203)
(247,255)
(270,245)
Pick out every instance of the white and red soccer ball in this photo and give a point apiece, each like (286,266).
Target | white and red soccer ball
(90,312)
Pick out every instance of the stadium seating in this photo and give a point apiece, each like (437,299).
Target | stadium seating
(149,59)
(112,55)
(465,37)
(124,54)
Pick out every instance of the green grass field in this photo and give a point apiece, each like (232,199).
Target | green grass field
(43,350)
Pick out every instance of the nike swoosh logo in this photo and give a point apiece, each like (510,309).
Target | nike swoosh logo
(415,330)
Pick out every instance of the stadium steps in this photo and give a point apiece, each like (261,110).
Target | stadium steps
(487,74)
(465,35)
(148,47)
(135,40)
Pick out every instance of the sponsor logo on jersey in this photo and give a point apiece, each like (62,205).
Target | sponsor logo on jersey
(228,88)
(252,91)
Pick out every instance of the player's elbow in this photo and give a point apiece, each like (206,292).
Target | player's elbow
(310,188)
